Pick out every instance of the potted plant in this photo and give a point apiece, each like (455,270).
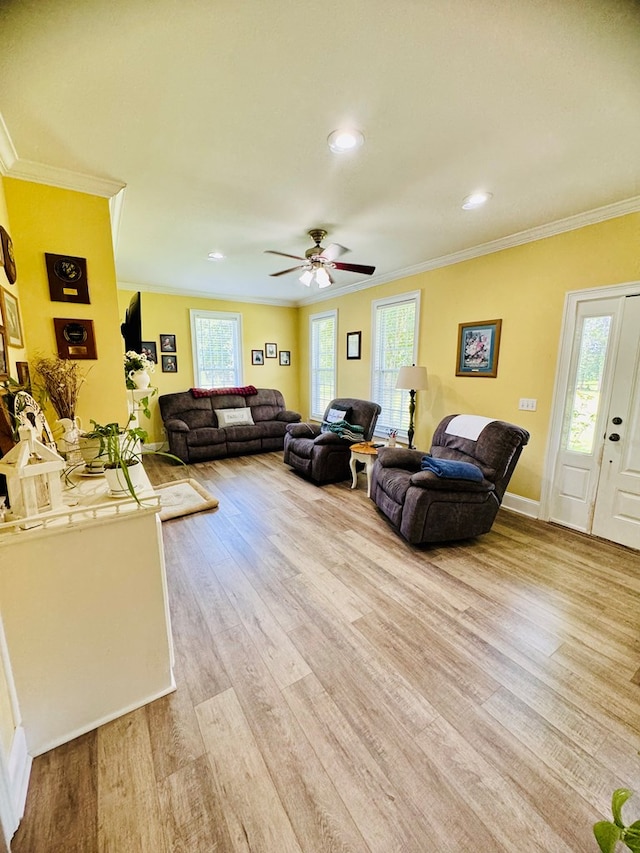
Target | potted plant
(137,367)
(608,833)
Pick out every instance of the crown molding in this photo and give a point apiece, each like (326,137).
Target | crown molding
(13,166)
(530,235)
(201,294)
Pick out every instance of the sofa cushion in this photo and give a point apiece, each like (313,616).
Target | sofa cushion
(234,417)
(205,435)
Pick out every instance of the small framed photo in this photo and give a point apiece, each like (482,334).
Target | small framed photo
(67,278)
(354,341)
(169,363)
(478,348)
(11,315)
(75,338)
(24,378)
(271,350)
(150,349)
(167,343)
(257,356)
(285,357)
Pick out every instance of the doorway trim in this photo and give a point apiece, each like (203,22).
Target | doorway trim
(572,299)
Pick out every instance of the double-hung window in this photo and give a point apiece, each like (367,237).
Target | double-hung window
(216,338)
(394,345)
(322,337)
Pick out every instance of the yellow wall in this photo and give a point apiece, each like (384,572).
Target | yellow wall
(162,314)
(47,219)
(525,287)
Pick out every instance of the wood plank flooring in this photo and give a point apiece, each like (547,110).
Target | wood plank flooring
(340,690)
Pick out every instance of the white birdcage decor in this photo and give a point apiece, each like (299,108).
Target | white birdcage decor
(33,476)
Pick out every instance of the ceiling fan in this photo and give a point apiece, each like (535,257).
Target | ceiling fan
(318,261)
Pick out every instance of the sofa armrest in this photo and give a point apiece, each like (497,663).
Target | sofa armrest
(429,480)
(332,438)
(303,430)
(288,416)
(176,425)
(400,457)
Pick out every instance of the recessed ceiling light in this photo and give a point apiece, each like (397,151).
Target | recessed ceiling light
(215,256)
(345,140)
(475,200)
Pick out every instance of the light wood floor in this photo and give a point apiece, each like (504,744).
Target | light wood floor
(340,690)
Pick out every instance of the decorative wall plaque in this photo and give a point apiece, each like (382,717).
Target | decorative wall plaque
(75,338)
(67,278)
(7,258)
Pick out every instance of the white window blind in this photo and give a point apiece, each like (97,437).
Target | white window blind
(322,339)
(394,345)
(216,338)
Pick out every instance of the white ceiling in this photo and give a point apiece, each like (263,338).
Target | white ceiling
(215,114)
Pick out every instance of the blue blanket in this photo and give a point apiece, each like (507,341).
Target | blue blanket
(450,469)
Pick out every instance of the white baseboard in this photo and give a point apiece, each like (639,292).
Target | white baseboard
(523,506)
(39,749)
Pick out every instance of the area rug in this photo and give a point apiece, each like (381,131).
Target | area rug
(182,497)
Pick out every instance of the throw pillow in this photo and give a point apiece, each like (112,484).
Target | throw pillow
(242,391)
(334,415)
(234,417)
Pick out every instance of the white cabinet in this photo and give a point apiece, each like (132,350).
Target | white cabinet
(85,613)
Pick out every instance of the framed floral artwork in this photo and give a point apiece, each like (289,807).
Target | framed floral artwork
(11,314)
(478,348)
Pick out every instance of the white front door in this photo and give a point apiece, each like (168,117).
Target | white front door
(617,508)
(595,484)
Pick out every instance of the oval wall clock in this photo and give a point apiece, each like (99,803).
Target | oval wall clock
(8,259)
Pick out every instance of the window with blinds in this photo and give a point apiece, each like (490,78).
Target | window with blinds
(394,345)
(216,338)
(322,338)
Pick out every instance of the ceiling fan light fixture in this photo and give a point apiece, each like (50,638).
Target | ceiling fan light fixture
(215,256)
(322,277)
(476,200)
(306,278)
(340,141)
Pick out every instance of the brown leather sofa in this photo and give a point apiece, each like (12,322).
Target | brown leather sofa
(426,507)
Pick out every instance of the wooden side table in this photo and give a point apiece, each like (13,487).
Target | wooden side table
(363,452)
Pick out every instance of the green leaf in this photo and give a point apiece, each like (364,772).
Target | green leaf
(607,835)
(619,798)
(631,837)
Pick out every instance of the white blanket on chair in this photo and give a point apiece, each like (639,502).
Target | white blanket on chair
(468,426)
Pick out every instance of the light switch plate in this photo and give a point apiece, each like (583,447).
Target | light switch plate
(528,404)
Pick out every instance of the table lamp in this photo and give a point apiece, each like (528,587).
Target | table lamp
(412,379)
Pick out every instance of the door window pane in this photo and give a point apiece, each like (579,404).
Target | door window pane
(588,383)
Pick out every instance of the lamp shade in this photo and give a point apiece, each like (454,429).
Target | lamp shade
(412,378)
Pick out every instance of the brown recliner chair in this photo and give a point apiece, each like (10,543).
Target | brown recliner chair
(324,456)
(426,507)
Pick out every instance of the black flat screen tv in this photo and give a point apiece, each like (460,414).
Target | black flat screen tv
(132,327)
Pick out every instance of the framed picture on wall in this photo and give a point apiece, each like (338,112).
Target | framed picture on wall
(285,357)
(11,314)
(169,363)
(354,341)
(4,358)
(271,350)
(167,343)
(478,348)
(67,278)
(150,349)
(257,356)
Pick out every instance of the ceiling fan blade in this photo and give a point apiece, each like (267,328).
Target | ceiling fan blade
(333,251)
(283,254)
(365,270)
(291,269)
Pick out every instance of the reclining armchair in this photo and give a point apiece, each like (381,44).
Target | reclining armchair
(324,456)
(438,505)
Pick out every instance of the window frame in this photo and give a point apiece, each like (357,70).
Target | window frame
(196,314)
(376,304)
(316,414)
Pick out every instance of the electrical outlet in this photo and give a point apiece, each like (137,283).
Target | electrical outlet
(527,404)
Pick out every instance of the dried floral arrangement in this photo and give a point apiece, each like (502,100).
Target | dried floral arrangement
(60,380)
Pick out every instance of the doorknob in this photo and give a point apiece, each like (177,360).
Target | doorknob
(616,421)
(614,437)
